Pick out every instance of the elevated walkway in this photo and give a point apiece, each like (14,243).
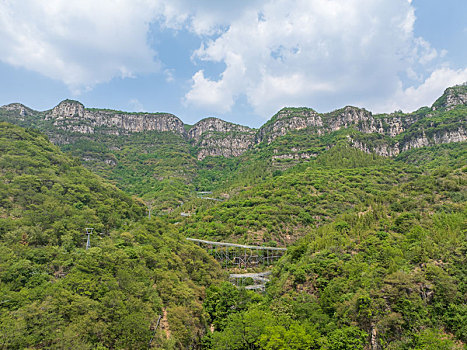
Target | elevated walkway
(243,256)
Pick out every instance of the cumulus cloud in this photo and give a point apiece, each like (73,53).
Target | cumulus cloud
(79,42)
(136,105)
(316,51)
(411,98)
(84,42)
(204,17)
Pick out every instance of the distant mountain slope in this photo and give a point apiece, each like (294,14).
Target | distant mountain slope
(146,153)
(285,206)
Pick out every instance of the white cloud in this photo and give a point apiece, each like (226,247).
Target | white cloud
(85,42)
(210,94)
(318,53)
(313,53)
(136,105)
(412,98)
(205,17)
(169,75)
(79,42)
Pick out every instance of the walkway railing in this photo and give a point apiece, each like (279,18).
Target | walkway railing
(241,255)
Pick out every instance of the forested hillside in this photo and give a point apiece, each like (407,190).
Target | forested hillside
(163,161)
(54,294)
(379,257)
(286,204)
(372,210)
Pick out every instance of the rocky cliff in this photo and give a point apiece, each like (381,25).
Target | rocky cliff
(215,137)
(452,97)
(288,119)
(18,109)
(360,119)
(400,131)
(422,139)
(72,116)
(210,125)
(228,144)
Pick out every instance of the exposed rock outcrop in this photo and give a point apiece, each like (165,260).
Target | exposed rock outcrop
(215,137)
(393,133)
(67,109)
(228,145)
(72,116)
(383,149)
(452,97)
(360,119)
(288,119)
(215,125)
(18,109)
(412,141)
(439,137)
(349,116)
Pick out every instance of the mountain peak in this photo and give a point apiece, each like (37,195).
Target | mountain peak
(68,109)
(212,124)
(19,108)
(452,97)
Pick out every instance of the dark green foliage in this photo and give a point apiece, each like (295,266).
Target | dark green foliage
(384,266)
(48,198)
(54,294)
(376,246)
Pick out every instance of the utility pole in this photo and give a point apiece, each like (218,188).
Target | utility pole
(89,233)
(149,206)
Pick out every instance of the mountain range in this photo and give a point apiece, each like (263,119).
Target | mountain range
(215,137)
(371,209)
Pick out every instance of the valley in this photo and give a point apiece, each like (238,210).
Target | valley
(371,210)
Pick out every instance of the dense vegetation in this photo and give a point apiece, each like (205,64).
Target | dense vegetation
(157,166)
(54,293)
(386,267)
(377,247)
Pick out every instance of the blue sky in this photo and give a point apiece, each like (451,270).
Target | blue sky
(241,61)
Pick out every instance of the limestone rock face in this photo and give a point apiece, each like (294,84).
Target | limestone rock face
(67,109)
(395,132)
(288,119)
(445,136)
(457,135)
(384,149)
(452,97)
(136,122)
(72,116)
(414,141)
(215,137)
(18,109)
(215,125)
(398,124)
(454,100)
(229,145)
(362,120)
(350,116)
